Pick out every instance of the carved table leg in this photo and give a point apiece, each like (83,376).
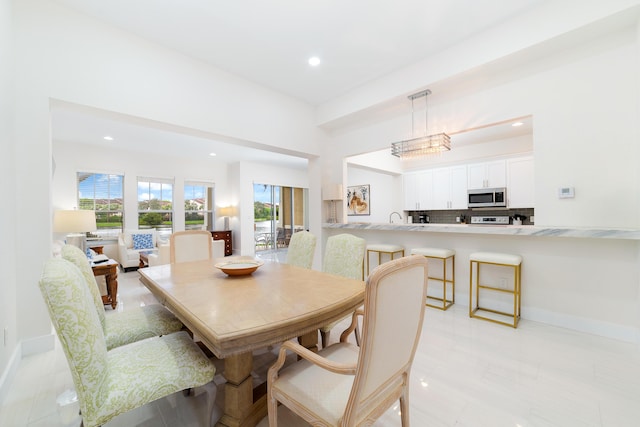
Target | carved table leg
(240,409)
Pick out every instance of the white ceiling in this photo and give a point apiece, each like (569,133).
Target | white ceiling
(269,42)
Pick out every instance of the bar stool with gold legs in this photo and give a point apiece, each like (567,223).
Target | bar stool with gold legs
(443,255)
(498,260)
(381,249)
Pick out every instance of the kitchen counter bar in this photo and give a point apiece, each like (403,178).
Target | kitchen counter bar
(506,230)
(580,278)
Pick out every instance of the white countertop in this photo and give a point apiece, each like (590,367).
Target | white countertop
(508,230)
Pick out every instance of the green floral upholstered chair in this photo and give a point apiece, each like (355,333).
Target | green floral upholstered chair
(302,246)
(111,382)
(128,326)
(343,256)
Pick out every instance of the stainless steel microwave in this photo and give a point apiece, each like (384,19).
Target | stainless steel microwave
(487,198)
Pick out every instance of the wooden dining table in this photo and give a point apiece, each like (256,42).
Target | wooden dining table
(235,315)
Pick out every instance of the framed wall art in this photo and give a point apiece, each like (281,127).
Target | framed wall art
(359,200)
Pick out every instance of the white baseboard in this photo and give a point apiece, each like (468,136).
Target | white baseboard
(10,372)
(590,326)
(38,345)
(24,348)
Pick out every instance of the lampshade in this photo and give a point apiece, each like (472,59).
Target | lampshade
(226,211)
(332,192)
(74,221)
(424,145)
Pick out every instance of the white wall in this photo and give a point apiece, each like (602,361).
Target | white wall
(584,104)
(384,195)
(71,158)
(8,218)
(551,19)
(70,57)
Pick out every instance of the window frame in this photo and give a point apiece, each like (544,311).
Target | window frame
(207,208)
(163,231)
(105,233)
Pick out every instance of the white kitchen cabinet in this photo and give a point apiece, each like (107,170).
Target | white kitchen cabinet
(520,185)
(487,175)
(450,188)
(417,187)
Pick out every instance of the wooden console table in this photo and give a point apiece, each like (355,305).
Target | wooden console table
(226,236)
(109,270)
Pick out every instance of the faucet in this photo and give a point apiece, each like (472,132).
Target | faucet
(399,216)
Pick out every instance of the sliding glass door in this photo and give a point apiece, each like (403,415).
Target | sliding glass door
(278,212)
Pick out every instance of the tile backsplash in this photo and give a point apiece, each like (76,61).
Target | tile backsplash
(449,216)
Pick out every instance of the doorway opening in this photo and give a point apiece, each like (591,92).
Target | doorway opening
(278,211)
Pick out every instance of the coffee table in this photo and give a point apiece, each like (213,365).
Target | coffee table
(144,258)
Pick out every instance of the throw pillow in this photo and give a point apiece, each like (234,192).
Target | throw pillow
(142,241)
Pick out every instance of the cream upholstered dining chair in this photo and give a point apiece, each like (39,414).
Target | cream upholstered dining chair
(343,256)
(111,382)
(127,326)
(190,245)
(345,385)
(302,247)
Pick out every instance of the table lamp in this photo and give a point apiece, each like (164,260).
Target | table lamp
(332,193)
(76,223)
(225,213)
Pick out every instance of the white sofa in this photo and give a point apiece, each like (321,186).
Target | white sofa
(128,252)
(163,255)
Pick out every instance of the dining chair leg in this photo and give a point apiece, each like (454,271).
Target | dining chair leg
(404,408)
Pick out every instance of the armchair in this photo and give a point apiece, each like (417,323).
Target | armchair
(163,256)
(345,385)
(131,242)
(111,382)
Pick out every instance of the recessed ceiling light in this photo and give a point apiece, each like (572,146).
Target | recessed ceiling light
(108,138)
(314,61)
(212,154)
(516,124)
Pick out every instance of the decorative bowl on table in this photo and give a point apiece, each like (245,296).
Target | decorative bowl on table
(239,267)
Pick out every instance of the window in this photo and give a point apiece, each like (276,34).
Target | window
(155,205)
(198,206)
(102,193)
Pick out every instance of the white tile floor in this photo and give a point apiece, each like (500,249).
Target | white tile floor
(467,373)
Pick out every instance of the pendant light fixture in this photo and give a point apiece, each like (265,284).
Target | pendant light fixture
(424,145)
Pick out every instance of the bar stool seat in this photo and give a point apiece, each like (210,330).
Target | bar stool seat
(496,258)
(443,255)
(382,248)
(500,260)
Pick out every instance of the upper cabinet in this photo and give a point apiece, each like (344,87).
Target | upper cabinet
(417,187)
(487,175)
(446,188)
(520,188)
(450,188)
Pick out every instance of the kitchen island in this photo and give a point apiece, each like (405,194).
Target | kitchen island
(585,279)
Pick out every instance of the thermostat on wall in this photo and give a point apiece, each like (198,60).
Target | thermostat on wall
(566,193)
